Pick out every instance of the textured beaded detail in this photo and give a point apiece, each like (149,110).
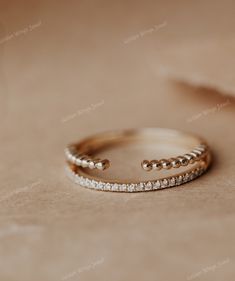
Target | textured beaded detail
(195,155)
(84,160)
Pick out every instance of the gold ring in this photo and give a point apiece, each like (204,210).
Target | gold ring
(82,158)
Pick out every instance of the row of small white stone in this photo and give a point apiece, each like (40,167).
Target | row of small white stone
(134,187)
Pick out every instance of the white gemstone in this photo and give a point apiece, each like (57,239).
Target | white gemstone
(107,186)
(157,185)
(123,187)
(93,184)
(172,181)
(148,186)
(140,187)
(164,183)
(115,187)
(186,177)
(88,183)
(179,180)
(131,187)
(191,176)
(99,186)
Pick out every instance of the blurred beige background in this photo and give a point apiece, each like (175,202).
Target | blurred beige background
(69,69)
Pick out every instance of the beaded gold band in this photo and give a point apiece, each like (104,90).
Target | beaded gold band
(189,158)
(81,158)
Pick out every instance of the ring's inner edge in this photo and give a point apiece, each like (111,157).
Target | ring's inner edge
(101,142)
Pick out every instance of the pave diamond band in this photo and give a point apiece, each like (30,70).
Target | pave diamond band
(81,158)
(135,187)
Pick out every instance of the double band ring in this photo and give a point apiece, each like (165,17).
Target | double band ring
(194,161)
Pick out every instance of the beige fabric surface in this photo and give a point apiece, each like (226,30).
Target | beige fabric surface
(71,69)
(210,64)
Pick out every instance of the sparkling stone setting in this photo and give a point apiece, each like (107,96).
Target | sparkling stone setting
(135,187)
